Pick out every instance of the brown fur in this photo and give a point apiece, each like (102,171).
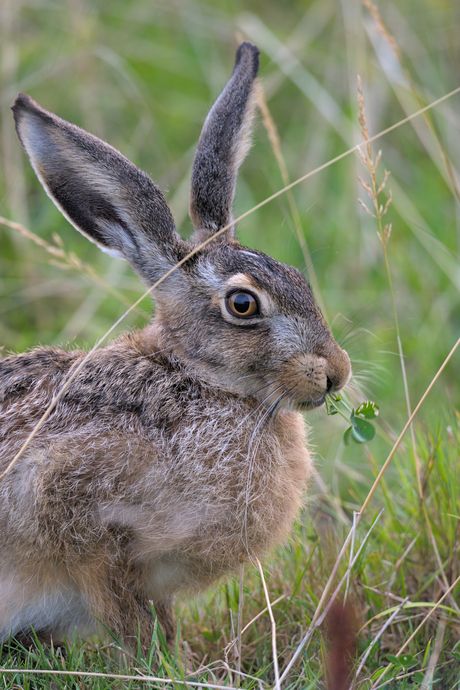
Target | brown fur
(179,450)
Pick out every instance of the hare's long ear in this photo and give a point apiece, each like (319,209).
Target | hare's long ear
(99,191)
(224,143)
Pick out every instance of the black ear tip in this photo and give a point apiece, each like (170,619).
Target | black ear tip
(24,107)
(19,102)
(22,103)
(250,52)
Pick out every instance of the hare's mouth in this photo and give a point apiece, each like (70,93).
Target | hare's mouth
(311,404)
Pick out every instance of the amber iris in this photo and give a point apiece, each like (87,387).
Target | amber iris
(242,304)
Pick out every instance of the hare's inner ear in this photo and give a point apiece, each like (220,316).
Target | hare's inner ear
(99,191)
(223,145)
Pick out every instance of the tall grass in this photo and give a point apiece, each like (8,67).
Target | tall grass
(142,77)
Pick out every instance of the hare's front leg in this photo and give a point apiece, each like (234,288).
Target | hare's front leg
(129,613)
(116,596)
(135,620)
(124,607)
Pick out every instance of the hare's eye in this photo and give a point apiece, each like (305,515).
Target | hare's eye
(242,304)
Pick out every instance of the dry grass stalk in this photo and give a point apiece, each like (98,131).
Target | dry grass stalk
(419,627)
(240,622)
(377,637)
(273,626)
(384,232)
(116,676)
(384,235)
(275,142)
(373,192)
(352,549)
(68,260)
(433,660)
(382,29)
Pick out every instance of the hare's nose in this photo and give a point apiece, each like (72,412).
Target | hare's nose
(338,371)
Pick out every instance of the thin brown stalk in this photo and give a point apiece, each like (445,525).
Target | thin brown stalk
(384,235)
(273,625)
(274,139)
(196,250)
(352,548)
(434,657)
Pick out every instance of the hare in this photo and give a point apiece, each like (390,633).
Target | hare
(178,451)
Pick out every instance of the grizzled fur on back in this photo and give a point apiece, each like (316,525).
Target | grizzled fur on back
(177,451)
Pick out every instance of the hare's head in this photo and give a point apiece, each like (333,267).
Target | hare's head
(236,317)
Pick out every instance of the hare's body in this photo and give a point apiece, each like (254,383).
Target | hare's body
(175,452)
(171,485)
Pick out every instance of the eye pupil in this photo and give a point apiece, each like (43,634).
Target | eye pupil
(242,304)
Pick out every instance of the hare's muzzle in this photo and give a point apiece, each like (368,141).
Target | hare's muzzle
(307,378)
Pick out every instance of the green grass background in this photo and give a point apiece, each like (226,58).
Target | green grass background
(142,76)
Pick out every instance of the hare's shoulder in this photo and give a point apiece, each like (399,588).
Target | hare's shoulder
(133,382)
(125,378)
(28,383)
(44,366)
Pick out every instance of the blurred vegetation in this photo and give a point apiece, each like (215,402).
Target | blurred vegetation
(142,76)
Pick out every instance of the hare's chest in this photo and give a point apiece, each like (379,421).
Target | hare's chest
(233,510)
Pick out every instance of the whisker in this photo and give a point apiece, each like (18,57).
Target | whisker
(358,331)
(250,395)
(246,376)
(262,425)
(349,320)
(251,458)
(248,416)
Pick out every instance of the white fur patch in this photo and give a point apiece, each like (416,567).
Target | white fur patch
(55,612)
